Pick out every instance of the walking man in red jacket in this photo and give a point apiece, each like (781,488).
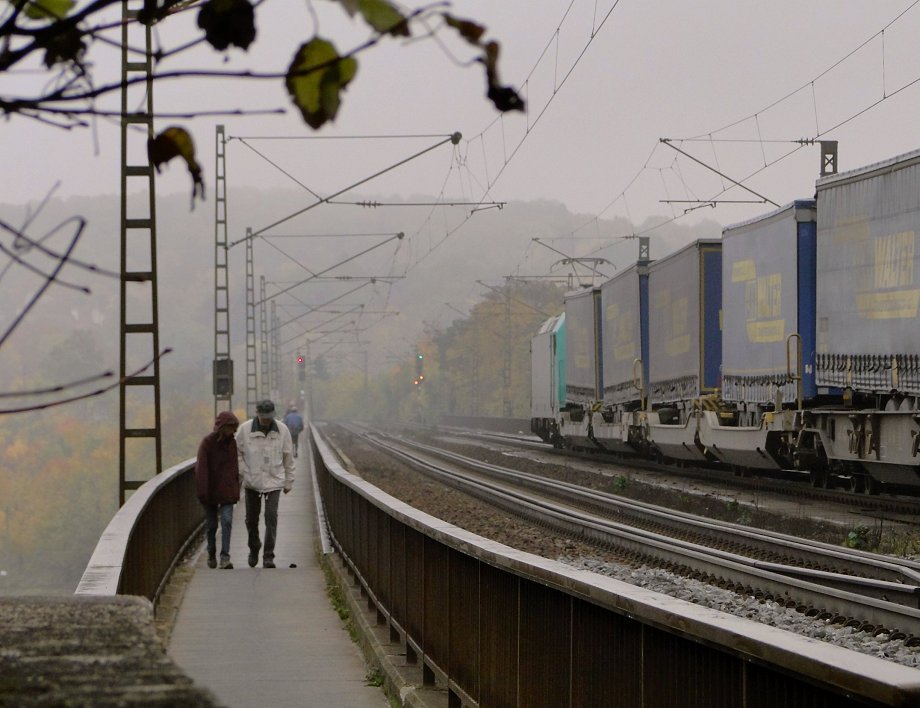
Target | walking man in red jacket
(217,475)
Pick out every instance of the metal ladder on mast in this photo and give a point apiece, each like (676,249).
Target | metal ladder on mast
(139,392)
(252,388)
(223,364)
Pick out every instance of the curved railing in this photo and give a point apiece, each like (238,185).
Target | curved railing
(497,626)
(142,543)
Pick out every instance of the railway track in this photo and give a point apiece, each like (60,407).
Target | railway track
(793,485)
(861,590)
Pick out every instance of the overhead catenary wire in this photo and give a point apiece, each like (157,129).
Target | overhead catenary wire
(497,122)
(711,136)
(340,263)
(258,232)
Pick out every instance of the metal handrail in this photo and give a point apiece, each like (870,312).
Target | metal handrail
(144,540)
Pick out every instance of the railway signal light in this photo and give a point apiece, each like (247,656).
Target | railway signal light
(223,377)
(301,368)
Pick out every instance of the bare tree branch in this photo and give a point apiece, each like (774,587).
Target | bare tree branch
(48,280)
(81,397)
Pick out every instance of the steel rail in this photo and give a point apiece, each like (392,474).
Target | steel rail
(909,507)
(839,605)
(813,554)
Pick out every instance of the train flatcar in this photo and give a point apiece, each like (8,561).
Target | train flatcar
(584,375)
(617,426)
(768,314)
(685,346)
(791,343)
(868,301)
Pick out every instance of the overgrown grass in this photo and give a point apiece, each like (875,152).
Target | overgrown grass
(337,600)
(374,677)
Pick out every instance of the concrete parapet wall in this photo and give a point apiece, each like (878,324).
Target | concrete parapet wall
(88,651)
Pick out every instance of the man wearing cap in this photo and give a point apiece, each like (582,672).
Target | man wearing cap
(217,480)
(266,456)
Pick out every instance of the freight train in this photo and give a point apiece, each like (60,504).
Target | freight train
(790,344)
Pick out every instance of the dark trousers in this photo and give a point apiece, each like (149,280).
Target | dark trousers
(225,512)
(294,441)
(253,509)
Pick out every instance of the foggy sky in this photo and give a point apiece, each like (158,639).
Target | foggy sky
(653,70)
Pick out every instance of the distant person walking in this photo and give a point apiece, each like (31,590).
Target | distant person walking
(217,478)
(266,468)
(294,423)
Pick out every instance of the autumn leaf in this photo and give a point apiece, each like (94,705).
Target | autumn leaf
(470,31)
(44,9)
(227,22)
(68,46)
(504,98)
(157,10)
(383,17)
(176,142)
(315,79)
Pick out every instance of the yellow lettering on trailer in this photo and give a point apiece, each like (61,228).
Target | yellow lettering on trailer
(766,331)
(624,345)
(894,260)
(885,292)
(679,341)
(892,305)
(763,307)
(743,271)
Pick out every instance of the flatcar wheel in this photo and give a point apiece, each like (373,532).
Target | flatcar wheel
(871,486)
(858,484)
(819,479)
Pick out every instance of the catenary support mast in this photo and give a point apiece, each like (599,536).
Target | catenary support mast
(223,364)
(252,383)
(263,352)
(138,393)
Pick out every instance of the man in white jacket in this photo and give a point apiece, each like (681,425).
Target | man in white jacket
(266,456)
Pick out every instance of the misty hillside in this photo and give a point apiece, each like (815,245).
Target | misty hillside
(434,268)
(66,457)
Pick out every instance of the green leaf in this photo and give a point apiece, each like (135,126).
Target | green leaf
(316,78)
(176,142)
(44,9)
(383,17)
(350,6)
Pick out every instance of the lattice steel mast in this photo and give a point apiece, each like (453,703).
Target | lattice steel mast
(252,383)
(223,364)
(139,332)
(263,325)
(276,386)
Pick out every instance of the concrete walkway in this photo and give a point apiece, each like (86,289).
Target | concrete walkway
(262,638)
